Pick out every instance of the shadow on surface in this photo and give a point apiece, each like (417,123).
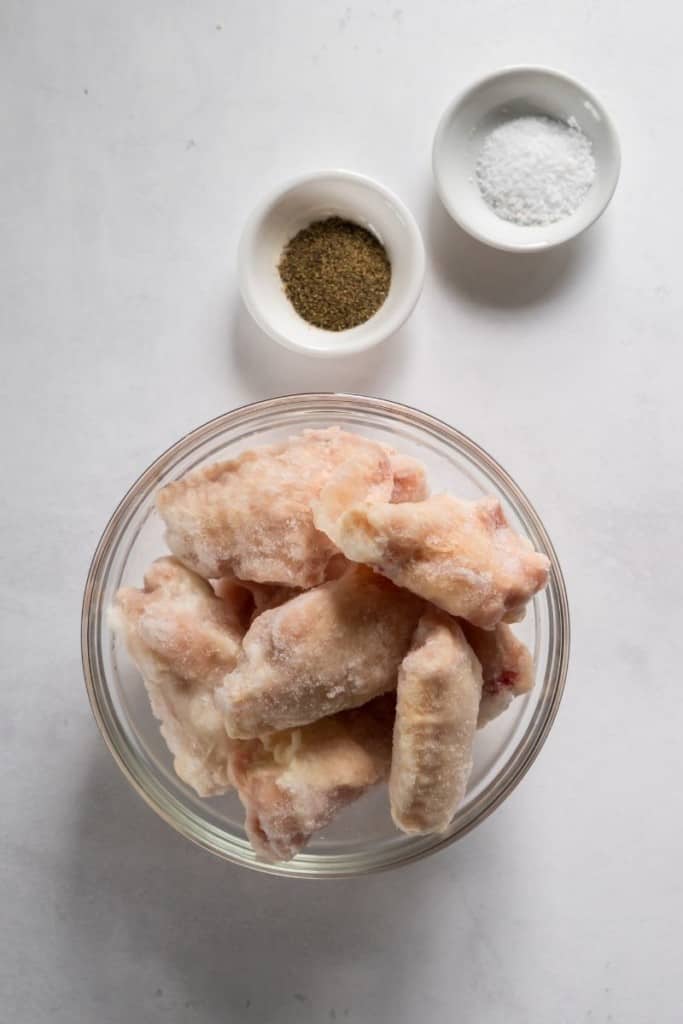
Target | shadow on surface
(489,277)
(268,370)
(229,944)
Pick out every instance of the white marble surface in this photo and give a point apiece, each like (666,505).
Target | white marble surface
(135,138)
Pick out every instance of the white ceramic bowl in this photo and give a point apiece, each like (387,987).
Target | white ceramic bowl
(514,92)
(309,198)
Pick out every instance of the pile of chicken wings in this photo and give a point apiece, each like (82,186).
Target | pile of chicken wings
(323,624)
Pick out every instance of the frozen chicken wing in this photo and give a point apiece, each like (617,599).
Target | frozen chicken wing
(328,649)
(460,555)
(251,516)
(184,640)
(507,668)
(293,783)
(437,701)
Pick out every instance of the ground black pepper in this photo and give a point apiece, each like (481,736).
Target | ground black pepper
(336,274)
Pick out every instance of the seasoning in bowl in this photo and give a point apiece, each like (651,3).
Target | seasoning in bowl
(535,170)
(336,273)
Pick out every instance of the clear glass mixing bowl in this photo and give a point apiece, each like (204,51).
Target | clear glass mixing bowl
(363,838)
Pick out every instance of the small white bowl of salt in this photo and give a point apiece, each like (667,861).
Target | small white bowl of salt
(526,159)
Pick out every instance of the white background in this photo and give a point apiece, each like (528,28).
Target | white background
(135,138)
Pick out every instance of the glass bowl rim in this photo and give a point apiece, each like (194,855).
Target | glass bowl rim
(199,831)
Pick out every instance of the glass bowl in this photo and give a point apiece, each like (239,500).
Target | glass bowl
(363,838)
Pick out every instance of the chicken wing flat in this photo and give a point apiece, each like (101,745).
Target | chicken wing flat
(329,649)
(184,640)
(293,783)
(250,517)
(460,555)
(437,701)
(506,664)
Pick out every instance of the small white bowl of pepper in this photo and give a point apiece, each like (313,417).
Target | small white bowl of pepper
(331,264)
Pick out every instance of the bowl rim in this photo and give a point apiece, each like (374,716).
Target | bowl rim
(521,758)
(560,237)
(363,336)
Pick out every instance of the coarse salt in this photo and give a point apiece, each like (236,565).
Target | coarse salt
(535,170)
